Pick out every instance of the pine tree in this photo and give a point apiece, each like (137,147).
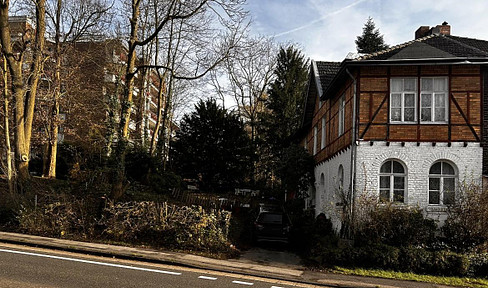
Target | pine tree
(371,40)
(286,95)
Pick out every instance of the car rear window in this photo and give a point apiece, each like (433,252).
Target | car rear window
(271,218)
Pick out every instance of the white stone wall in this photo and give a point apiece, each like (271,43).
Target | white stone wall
(417,160)
(326,191)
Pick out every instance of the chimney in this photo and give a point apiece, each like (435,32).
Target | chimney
(422,32)
(443,29)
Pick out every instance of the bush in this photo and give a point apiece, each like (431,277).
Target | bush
(312,233)
(61,218)
(164,182)
(170,226)
(478,265)
(396,226)
(415,259)
(465,228)
(138,164)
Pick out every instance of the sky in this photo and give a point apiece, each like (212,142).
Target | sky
(325,30)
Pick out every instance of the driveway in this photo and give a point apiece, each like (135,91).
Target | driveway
(271,255)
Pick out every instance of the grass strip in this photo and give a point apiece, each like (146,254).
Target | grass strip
(451,281)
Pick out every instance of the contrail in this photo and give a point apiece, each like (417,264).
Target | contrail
(320,19)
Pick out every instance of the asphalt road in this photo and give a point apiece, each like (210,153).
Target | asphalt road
(31,267)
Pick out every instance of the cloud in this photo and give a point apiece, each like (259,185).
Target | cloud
(326,29)
(320,19)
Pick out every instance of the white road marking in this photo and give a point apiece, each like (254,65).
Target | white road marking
(90,262)
(243,283)
(207,278)
(276,287)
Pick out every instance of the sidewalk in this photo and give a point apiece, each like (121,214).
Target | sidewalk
(246,267)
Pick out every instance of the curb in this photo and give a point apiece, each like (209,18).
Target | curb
(315,279)
(155,256)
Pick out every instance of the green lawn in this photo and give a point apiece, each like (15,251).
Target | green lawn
(452,281)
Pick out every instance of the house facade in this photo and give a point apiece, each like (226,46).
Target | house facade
(404,125)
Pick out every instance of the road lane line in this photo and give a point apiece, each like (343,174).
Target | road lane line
(243,283)
(276,287)
(90,262)
(207,278)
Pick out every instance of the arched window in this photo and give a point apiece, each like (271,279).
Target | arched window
(392,182)
(442,183)
(340,177)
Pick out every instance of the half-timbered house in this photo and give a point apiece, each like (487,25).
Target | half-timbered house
(404,125)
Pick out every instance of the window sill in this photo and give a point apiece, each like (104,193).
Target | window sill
(433,123)
(436,208)
(421,123)
(403,123)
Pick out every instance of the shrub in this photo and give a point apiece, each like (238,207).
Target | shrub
(415,259)
(139,163)
(448,263)
(396,226)
(164,182)
(61,218)
(164,225)
(478,265)
(465,228)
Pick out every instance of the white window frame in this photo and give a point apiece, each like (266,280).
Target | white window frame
(391,177)
(315,136)
(402,107)
(442,177)
(433,107)
(342,108)
(322,140)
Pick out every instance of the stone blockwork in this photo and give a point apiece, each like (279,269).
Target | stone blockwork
(327,194)
(417,158)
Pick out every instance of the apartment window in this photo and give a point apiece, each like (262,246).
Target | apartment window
(340,177)
(392,182)
(322,140)
(442,179)
(403,99)
(433,99)
(315,132)
(342,108)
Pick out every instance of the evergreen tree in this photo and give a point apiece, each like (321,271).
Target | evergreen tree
(285,104)
(212,146)
(371,40)
(286,96)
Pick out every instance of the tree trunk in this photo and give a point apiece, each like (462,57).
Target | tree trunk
(8,159)
(119,184)
(24,96)
(53,138)
(160,104)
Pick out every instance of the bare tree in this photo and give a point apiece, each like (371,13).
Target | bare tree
(246,78)
(197,63)
(23,92)
(69,21)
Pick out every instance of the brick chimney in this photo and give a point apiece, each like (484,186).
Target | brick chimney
(422,32)
(443,29)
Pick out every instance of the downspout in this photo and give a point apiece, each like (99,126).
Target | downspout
(353,155)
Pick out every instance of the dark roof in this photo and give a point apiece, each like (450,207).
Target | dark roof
(433,47)
(327,72)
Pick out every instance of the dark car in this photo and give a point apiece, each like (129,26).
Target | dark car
(272,226)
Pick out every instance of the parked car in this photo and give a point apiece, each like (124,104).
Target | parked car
(272,226)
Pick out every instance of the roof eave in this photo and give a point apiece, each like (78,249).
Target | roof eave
(316,74)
